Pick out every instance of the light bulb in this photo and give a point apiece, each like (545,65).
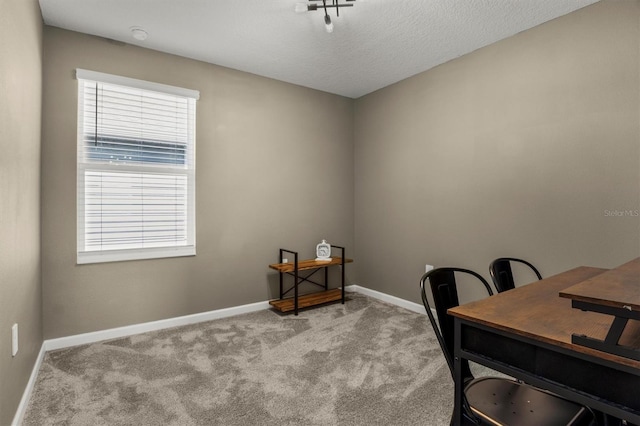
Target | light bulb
(301,7)
(328,25)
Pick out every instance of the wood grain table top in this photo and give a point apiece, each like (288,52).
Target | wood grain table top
(618,288)
(536,311)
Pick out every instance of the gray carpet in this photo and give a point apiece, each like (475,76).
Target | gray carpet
(363,363)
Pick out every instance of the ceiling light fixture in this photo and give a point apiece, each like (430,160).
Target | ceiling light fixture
(328,25)
(138,33)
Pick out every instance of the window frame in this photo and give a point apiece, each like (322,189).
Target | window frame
(114,255)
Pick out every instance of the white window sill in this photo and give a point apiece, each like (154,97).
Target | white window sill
(88,257)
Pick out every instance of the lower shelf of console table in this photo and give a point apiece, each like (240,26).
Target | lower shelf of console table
(307,300)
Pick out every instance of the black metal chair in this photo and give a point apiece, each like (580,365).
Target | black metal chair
(492,400)
(502,275)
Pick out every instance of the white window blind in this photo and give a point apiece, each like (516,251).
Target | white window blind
(136,169)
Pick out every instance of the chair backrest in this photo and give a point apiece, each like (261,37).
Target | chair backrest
(502,275)
(443,286)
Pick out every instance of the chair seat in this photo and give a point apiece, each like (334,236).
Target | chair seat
(499,401)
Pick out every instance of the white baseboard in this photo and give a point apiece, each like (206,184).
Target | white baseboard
(130,330)
(415,307)
(26,395)
(114,333)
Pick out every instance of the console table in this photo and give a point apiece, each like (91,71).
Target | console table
(294,268)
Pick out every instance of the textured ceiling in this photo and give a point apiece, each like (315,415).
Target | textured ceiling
(374,44)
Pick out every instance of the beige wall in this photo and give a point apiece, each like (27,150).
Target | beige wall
(517,149)
(20,107)
(274,169)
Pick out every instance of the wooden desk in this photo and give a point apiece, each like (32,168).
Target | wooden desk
(617,293)
(526,333)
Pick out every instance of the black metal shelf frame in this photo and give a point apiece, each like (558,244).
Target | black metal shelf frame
(298,279)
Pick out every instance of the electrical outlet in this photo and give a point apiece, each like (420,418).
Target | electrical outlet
(285,260)
(14,339)
(427,268)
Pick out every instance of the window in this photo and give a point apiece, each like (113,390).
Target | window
(136,169)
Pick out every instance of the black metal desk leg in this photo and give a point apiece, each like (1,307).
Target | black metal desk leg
(457,379)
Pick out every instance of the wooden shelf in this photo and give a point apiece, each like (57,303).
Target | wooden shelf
(304,265)
(310,266)
(307,300)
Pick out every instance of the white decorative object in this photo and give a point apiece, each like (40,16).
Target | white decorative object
(323,251)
